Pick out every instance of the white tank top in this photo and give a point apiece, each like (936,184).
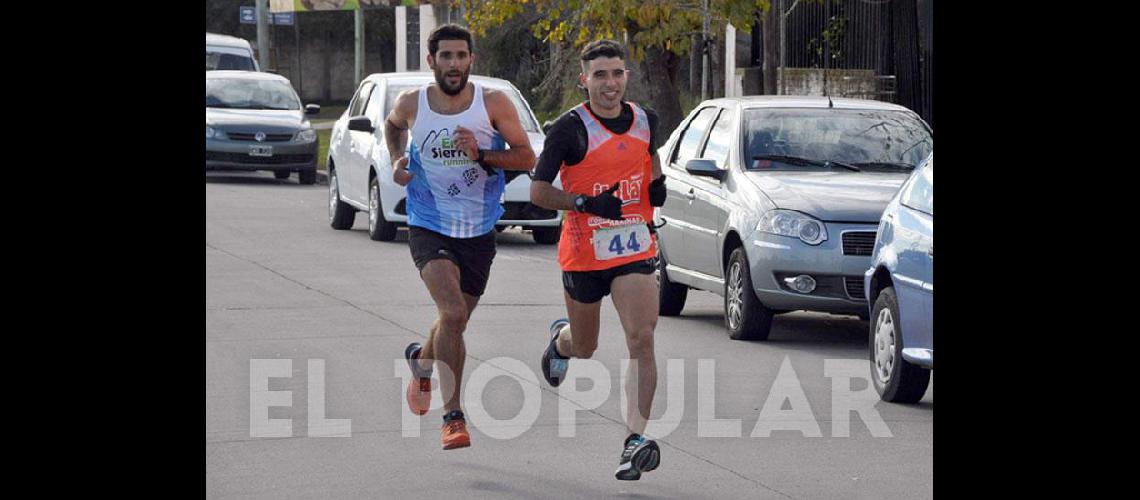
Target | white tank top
(450,193)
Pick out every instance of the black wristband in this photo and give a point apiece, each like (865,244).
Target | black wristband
(481,155)
(580,203)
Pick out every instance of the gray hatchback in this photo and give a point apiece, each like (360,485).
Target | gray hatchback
(255,121)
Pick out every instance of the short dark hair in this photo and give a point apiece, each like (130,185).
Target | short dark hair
(601,48)
(449,32)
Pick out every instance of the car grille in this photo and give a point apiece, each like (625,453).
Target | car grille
(258,160)
(858,242)
(237,136)
(854,288)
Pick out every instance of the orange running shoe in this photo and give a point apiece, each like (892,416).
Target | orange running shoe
(454,433)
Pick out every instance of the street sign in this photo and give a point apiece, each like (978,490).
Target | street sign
(247,15)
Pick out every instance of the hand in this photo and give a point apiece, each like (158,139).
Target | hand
(464,140)
(657,191)
(400,172)
(605,204)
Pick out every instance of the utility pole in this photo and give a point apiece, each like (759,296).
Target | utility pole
(704,51)
(263,34)
(359,71)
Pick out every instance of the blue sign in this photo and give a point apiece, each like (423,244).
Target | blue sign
(283,18)
(248,15)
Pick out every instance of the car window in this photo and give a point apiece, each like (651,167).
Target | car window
(877,138)
(525,117)
(716,148)
(528,123)
(225,61)
(394,91)
(250,94)
(360,99)
(691,138)
(920,194)
(372,108)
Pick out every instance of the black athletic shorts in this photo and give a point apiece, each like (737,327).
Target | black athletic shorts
(588,287)
(473,256)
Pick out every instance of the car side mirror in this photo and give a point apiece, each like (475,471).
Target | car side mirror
(704,168)
(361,124)
(312,109)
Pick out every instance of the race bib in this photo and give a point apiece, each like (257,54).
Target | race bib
(621,241)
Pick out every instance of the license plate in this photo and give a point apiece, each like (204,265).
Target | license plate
(621,241)
(261,150)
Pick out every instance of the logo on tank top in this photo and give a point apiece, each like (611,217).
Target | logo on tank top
(440,146)
(629,192)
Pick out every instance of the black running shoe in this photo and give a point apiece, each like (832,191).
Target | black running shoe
(640,455)
(553,365)
(412,354)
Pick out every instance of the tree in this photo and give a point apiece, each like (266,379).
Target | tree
(657,33)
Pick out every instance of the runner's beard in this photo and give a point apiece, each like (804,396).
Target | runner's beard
(441,79)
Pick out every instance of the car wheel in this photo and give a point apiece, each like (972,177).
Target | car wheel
(744,315)
(670,296)
(341,214)
(895,379)
(281,174)
(307,177)
(547,235)
(379,229)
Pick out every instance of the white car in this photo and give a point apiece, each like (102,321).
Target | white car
(225,52)
(360,167)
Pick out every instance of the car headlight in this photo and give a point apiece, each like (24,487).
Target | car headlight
(795,224)
(307,135)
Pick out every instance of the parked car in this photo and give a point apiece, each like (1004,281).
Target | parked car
(900,287)
(255,121)
(225,52)
(360,167)
(773,203)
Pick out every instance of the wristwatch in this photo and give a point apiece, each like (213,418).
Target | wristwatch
(580,203)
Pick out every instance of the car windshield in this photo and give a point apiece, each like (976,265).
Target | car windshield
(528,123)
(250,94)
(227,61)
(866,139)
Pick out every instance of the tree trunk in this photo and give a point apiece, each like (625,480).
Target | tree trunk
(695,66)
(771,49)
(716,67)
(661,94)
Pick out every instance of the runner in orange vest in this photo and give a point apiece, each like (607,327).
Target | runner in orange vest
(605,152)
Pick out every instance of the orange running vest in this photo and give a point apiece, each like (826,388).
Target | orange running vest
(610,158)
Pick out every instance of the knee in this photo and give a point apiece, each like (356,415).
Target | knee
(640,343)
(452,320)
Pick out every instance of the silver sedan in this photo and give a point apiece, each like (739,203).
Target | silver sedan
(254,121)
(773,203)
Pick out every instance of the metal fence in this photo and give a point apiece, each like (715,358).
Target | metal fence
(891,38)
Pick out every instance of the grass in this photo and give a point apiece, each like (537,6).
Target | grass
(323,148)
(330,112)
